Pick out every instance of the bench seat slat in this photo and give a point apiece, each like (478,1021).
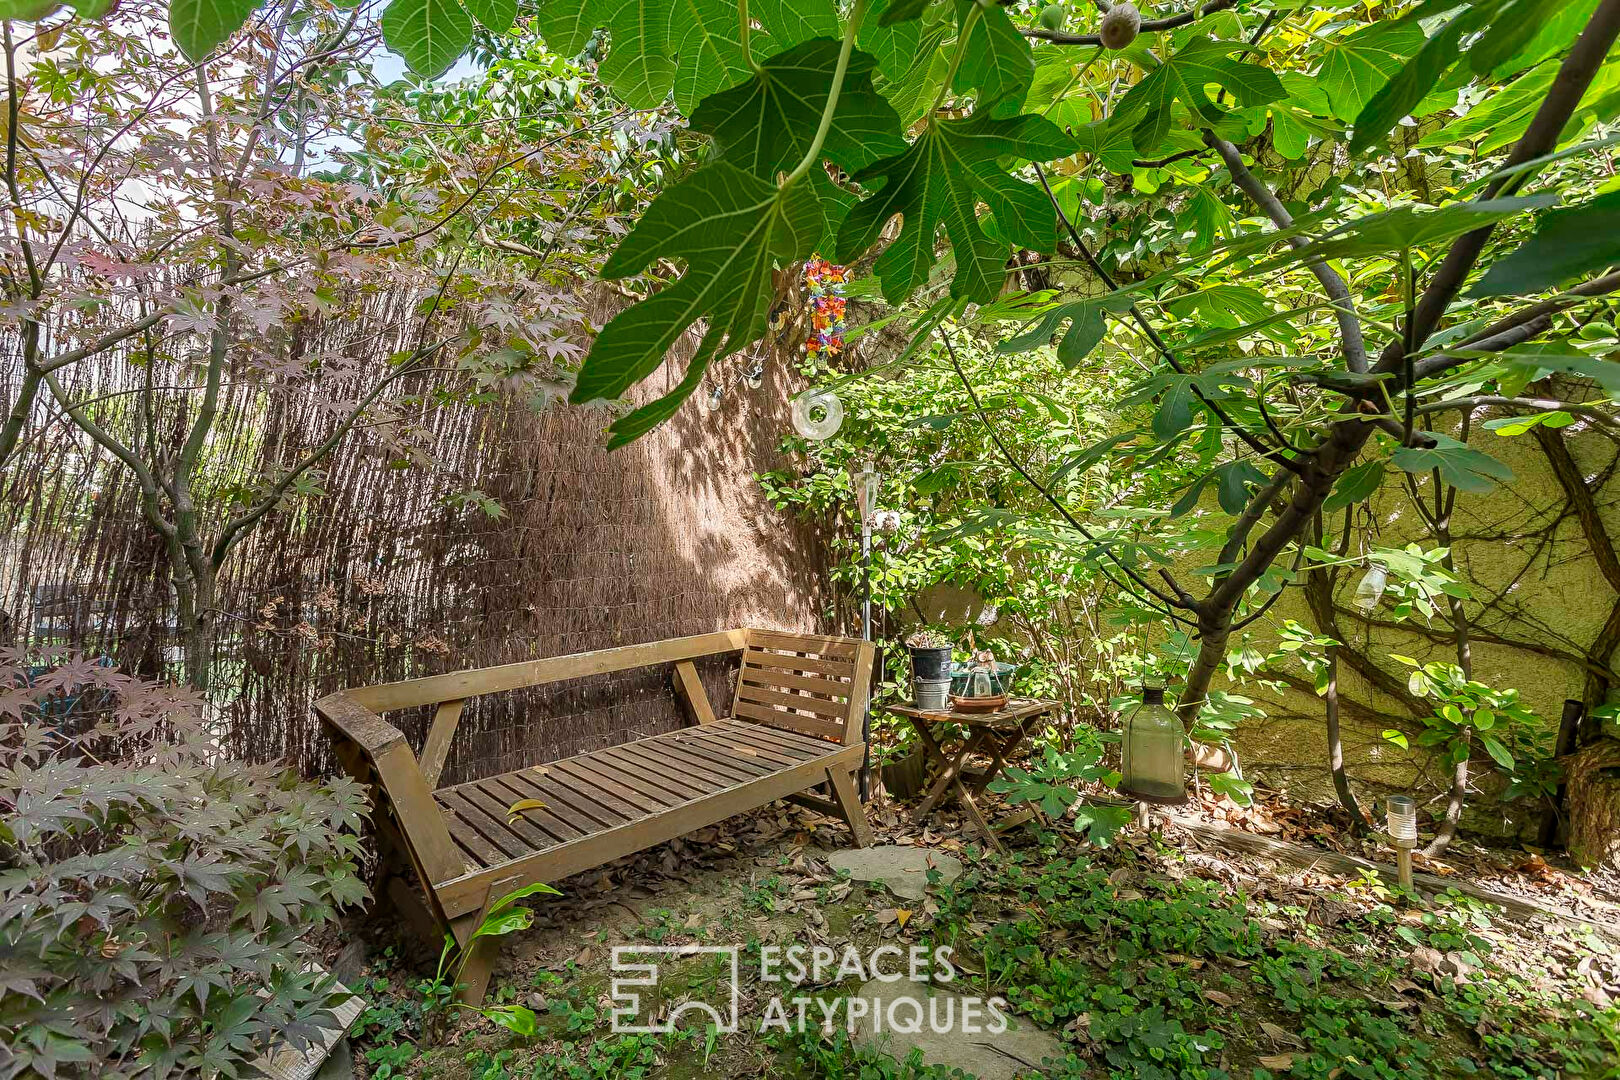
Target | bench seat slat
(470,840)
(710,761)
(619,787)
(779,739)
(657,772)
(494,801)
(600,815)
(655,798)
(556,816)
(489,826)
(462,894)
(777,755)
(574,773)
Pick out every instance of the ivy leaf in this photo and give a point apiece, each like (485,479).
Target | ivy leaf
(1356,67)
(765,125)
(1460,465)
(940,181)
(792,21)
(1185,77)
(496,16)
(732,229)
(200,26)
(430,35)
(998,62)
(1568,243)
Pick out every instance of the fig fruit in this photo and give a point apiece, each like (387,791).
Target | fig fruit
(1120,26)
(1052,16)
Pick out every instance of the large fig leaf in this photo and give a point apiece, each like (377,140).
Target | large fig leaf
(940,181)
(1186,77)
(732,229)
(765,124)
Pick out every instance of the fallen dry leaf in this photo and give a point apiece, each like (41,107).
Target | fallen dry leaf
(1279,1035)
(1278,1062)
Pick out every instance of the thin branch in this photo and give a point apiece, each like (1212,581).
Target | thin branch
(1574,76)
(1338,292)
(1540,405)
(233,528)
(1149,26)
(1253,441)
(995,435)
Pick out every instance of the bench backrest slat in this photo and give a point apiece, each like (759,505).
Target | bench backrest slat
(808,683)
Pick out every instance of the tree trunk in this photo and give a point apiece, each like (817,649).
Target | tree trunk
(1341,782)
(1465,660)
(1593,776)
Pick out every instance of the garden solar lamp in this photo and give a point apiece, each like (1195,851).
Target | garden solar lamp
(865,480)
(1153,753)
(1401,813)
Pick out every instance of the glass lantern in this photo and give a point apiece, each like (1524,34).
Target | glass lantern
(1153,755)
(1371,589)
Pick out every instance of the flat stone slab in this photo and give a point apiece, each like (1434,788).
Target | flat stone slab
(901,870)
(957,1032)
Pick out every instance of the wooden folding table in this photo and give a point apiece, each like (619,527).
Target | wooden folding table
(993,734)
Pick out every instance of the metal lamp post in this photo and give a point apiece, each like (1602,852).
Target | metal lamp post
(865,479)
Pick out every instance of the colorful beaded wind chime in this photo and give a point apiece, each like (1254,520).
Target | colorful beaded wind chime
(817,413)
(824,282)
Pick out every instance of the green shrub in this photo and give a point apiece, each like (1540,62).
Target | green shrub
(155,896)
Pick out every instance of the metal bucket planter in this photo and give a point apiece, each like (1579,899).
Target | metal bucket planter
(931,663)
(931,695)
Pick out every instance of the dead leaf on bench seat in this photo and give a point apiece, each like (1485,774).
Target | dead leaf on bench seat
(516,810)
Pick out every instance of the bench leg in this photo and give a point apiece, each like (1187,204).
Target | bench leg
(479,964)
(849,805)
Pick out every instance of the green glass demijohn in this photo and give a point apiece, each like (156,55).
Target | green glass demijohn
(1153,752)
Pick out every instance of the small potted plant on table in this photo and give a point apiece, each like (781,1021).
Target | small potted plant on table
(930,667)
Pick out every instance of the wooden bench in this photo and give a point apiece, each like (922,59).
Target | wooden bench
(794,724)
